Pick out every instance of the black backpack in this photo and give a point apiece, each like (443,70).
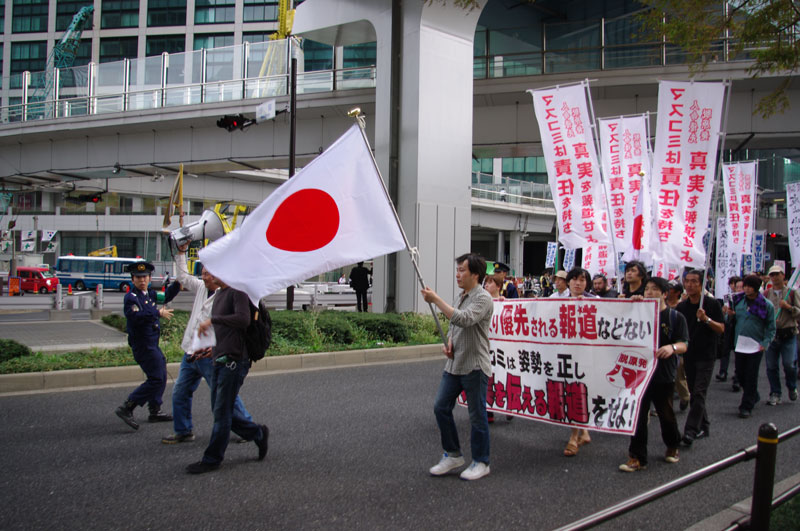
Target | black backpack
(258,335)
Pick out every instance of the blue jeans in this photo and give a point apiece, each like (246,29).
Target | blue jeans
(474,385)
(189,378)
(226,381)
(785,351)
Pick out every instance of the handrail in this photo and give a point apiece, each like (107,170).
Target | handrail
(653,494)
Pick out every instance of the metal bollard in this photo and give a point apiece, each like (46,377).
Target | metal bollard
(98,297)
(764,479)
(59,302)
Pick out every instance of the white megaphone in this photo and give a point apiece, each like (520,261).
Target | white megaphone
(209,226)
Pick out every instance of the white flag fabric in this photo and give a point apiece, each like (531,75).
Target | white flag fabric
(687,138)
(28,246)
(793,219)
(550,257)
(598,258)
(569,259)
(334,212)
(667,271)
(5,245)
(740,201)
(572,168)
(625,154)
(51,247)
(47,235)
(728,260)
(28,235)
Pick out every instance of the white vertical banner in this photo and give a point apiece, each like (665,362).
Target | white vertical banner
(625,155)
(28,246)
(665,270)
(550,258)
(740,200)
(571,160)
(47,235)
(26,235)
(759,248)
(52,247)
(728,260)
(569,259)
(793,219)
(687,138)
(598,258)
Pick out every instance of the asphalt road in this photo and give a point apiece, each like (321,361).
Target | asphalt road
(349,449)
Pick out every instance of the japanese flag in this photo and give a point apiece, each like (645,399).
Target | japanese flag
(333,213)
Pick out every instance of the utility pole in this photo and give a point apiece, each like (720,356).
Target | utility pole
(292,146)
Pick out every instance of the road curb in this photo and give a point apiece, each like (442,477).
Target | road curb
(66,379)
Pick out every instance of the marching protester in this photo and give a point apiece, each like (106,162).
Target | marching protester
(672,340)
(230,316)
(783,349)
(705,325)
(601,288)
(144,329)
(576,279)
(734,286)
(467,368)
(674,294)
(635,273)
(560,288)
(754,330)
(193,368)
(493,285)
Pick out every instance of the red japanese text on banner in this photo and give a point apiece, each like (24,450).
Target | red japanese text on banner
(572,168)
(598,258)
(665,270)
(728,260)
(687,137)
(793,215)
(625,155)
(740,202)
(583,363)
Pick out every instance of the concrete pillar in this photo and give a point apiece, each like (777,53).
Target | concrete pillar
(431,96)
(515,253)
(501,246)
(497,171)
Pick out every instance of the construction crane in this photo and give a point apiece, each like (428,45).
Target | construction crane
(62,56)
(273,59)
(105,251)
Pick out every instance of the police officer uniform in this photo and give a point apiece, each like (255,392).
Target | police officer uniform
(509,289)
(144,330)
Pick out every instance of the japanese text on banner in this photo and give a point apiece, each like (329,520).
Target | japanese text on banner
(578,362)
(728,260)
(793,215)
(740,199)
(598,259)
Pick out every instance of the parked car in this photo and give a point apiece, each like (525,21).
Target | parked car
(37,279)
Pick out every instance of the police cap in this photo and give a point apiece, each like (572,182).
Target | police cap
(141,269)
(500,267)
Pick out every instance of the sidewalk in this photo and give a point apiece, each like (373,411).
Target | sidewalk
(63,336)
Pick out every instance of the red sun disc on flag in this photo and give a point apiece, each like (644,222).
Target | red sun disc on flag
(306,221)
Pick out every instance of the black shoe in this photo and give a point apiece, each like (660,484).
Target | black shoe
(125,412)
(156,415)
(735,388)
(683,405)
(201,467)
(176,438)
(263,443)
(687,440)
(745,414)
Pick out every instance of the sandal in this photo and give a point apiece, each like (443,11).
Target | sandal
(584,440)
(571,450)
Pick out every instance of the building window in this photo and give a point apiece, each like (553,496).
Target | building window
(260,11)
(77,73)
(2,18)
(30,56)
(29,16)
(317,56)
(119,14)
(158,44)
(256,36)
(66,10)
(166,13)
(212,41)
(214,11)
(118,48)
(359,55)
(219,65)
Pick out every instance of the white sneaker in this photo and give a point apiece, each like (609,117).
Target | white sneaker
(475,471)
(447,464)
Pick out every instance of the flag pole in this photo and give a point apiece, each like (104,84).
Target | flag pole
(362,124)
(717,185)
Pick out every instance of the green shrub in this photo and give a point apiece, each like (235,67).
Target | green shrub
(116,321)
(291,326)
(385,326)
(10,349)
(335,327)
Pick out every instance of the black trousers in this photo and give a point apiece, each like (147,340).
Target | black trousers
(698,377)
(361,300)
(660,395)
(747,367)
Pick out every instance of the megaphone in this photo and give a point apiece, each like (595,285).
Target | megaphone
(209,226)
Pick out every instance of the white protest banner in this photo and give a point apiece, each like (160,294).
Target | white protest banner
(47,235)
(728,260)
(598,258)
(740,199)
(51,247)
(28,246)
(569,259)
(571,160)
(582,363)
(665,270)
(687,138)
(27,235)
(5,245)
(793,220)
(550,258)
(759,248)
(625,155)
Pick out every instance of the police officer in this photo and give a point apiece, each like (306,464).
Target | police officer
(509,289)
(142,316)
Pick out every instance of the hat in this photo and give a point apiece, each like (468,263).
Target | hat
(500,267)
(561,274)
(775,269)
(141,269)
(674,284)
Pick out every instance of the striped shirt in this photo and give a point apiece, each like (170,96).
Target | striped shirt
(469,331)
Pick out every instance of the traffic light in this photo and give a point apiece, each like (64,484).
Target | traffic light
(230,122)
(90,198)
(774,235)
(96,198)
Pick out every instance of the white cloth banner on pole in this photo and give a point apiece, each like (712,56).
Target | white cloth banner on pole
(582,363)
(334,212)
(687,138)
(550,258)
(625,155)
(569,259)
(28,246)
(51,247)
(26,235)
(740,201)
(793,219)
(759,248)
(47,235)
(665,270)
(598,258)
(728,260)
(572,168)
(5,245)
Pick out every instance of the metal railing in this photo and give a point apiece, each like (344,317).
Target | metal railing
(231,73)
(764,452)
(505,190)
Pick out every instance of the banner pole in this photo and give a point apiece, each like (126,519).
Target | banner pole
(717,185)
(362,124)
(609,223)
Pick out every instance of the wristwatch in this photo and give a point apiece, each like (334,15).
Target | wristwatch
(674,350)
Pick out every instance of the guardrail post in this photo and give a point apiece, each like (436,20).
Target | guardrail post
(764,479)
(59,302)
(98,297)
(26,81)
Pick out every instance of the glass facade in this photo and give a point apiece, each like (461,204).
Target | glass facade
(260,11)
(66,10)
(30,56)
(165,43)
(256,36)
(359,55)
(214,11)
(213,41)
(317,56)
(166,13)
(119,14)
(118,48)
(29,16)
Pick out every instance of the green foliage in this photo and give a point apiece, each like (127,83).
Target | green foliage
(786,517)
(336,327)
(383,326)
(115,320)
(10,349)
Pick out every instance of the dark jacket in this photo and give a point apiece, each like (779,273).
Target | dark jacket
(230,316)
